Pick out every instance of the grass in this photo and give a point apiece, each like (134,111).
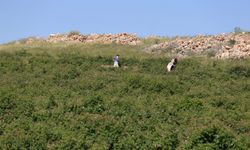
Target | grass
(59,96)
(154,40)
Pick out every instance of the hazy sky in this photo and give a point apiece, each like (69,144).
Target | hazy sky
(23,18)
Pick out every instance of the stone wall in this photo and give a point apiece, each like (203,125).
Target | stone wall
(122,38)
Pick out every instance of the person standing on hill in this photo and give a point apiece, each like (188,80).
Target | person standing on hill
(172,64)
(116,61)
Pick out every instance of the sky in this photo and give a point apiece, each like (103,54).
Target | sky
(24,18)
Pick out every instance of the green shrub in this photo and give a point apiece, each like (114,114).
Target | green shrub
(94,104)
(190,105)
(214,138)
(231,42)
(239,71)
(7,103)
(51,102)
(72,33)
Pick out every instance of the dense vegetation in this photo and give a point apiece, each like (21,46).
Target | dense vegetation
(68,98)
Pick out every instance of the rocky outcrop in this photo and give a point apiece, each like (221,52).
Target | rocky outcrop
(239,47)
(223,46)
(122,38)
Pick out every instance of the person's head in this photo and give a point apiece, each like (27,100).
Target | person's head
(175,61)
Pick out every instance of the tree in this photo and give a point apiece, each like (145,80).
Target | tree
(238,30)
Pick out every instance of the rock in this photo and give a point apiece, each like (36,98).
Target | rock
(227,47)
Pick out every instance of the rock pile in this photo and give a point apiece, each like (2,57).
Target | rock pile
(122,38)
(223,46)
(239,47)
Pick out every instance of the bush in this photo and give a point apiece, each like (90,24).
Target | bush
(214,138)
(7,103)
(94,104)
(72,33)
(51,102)
(231,42)
(239,71)
(190,105)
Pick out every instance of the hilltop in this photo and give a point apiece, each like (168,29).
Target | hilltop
(223,46)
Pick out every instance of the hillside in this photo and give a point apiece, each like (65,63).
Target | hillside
(64,95)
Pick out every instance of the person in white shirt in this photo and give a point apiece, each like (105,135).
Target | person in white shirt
(116,61)
(172,64)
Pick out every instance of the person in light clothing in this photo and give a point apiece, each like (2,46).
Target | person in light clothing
(116,61)
(172,64)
